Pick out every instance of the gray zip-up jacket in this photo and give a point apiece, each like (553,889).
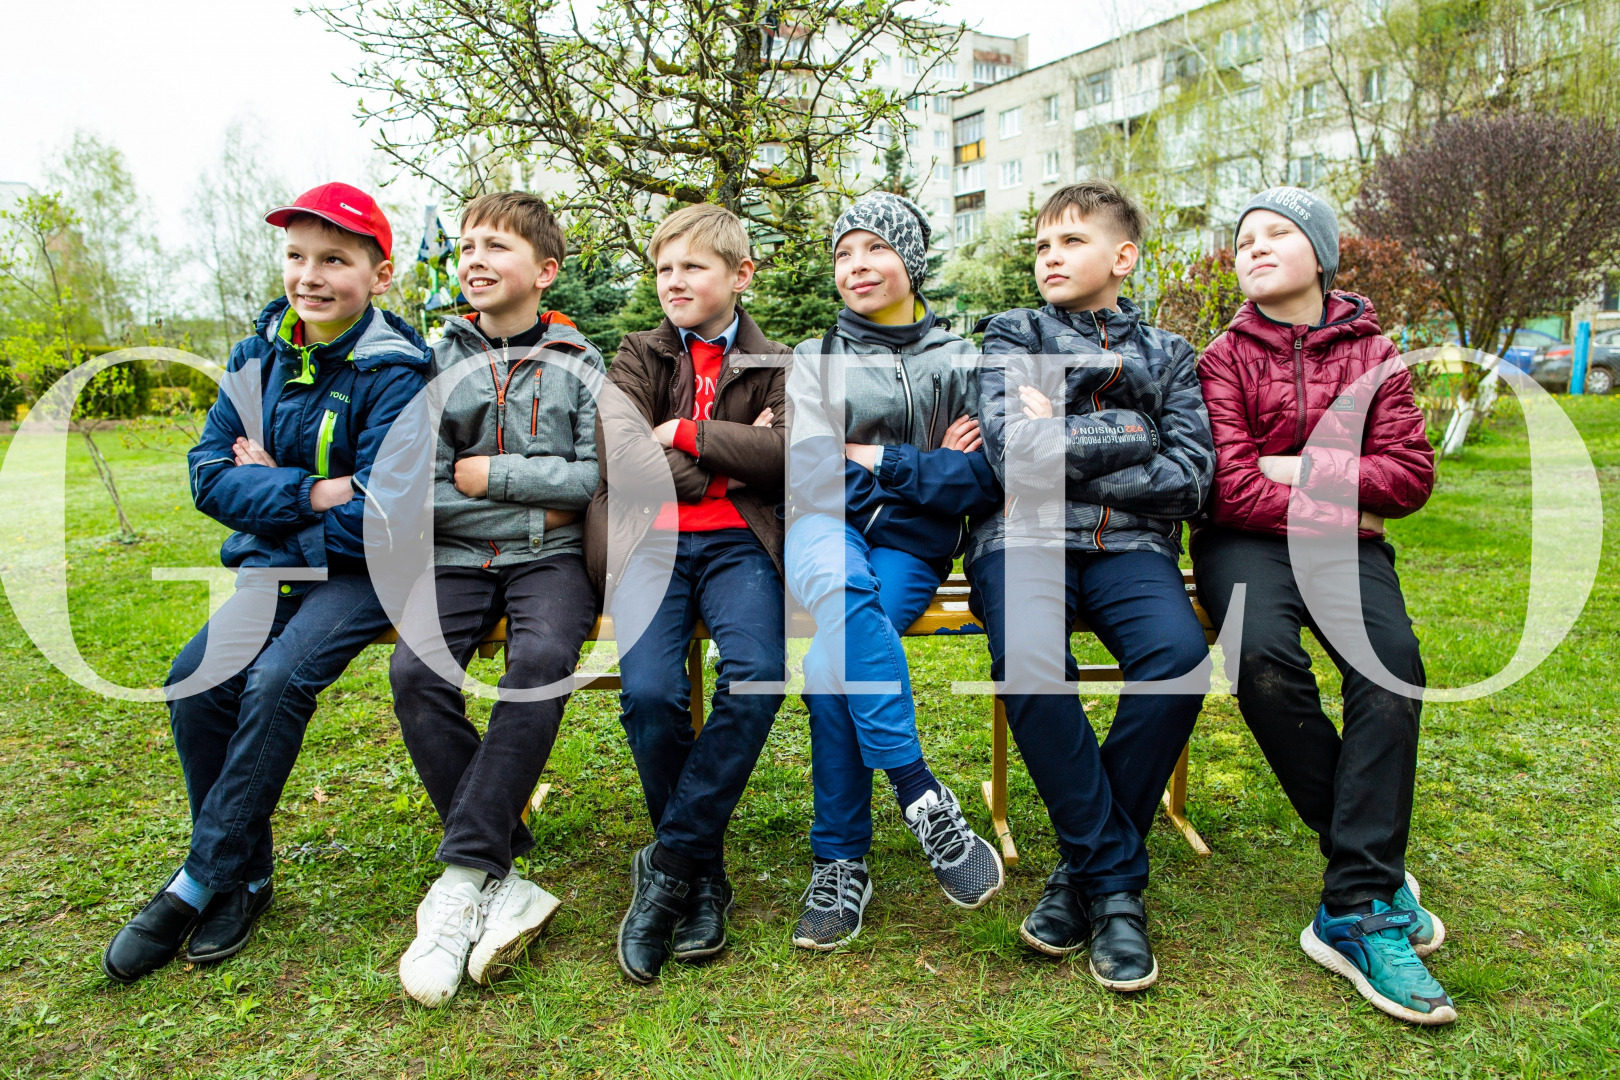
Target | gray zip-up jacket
(902,400)
(537,423)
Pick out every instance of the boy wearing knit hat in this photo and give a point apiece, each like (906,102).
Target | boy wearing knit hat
(1113,406)
(880,484)
(1298,351)
(289,475)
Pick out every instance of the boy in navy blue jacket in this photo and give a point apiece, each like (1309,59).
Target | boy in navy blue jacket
(283,460)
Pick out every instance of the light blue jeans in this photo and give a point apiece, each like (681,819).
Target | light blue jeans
(885,590)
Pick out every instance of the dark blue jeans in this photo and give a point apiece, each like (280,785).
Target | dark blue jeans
(1102,799)
(238,741)
(692,783)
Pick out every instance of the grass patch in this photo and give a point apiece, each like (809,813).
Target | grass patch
(1514,841)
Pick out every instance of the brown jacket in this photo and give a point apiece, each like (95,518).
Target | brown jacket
(655,374)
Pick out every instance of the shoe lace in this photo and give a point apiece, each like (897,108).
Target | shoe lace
(943,833)
(454,918)
(832,886)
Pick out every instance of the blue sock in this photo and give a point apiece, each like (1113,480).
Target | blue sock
(255,886)
(190,891)
(912,782)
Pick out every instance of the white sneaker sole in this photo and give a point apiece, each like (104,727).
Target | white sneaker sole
(1425,951)
(425,993)
(860,923)
(1125,986)
(491,958)
(1040,946)
(1329,957)
(1001,881)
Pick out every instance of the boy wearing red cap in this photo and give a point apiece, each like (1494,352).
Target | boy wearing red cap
(283,461)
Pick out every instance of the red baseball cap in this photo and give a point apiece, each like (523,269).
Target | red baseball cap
(343,205)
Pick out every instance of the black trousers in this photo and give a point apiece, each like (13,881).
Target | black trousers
(1354,790)
(480,786)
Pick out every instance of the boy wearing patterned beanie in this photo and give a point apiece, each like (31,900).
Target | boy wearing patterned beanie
(881,484)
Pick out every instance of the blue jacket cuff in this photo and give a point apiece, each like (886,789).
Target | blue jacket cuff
(305,510)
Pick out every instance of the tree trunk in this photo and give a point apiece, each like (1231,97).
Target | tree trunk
(1474,398)
(126,531)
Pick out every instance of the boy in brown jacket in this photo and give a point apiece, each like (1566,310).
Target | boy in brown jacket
(714,418)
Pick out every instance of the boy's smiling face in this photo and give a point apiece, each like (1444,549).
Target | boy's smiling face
(1276,264)
(696,289)
(329,278)
(502,277)
(872,278)
(1080,262)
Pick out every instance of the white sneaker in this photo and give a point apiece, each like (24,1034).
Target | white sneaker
(448,921)
(515,911)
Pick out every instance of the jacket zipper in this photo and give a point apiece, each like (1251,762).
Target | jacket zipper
(323,444)
(905,382)
(933,421)
(534,413)
(1299,391)
(1119,363)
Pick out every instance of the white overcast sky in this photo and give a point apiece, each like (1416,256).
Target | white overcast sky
(163,79)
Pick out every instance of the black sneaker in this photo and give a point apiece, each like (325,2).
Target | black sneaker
(966,865)
(151,939)
(227,923)
(834,902)
(656,902)
(1121,958)
(1057,926)
(701,932)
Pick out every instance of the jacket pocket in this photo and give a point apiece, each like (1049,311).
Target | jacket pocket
(323,444)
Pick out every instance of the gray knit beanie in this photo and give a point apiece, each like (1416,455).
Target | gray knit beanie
(899,221)
(1314,217)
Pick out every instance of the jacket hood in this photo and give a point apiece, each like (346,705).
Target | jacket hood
(1347,315)
(378,339)
(560,330)
(937,335)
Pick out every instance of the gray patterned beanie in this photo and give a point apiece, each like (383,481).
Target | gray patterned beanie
(1314,217)
(899,221)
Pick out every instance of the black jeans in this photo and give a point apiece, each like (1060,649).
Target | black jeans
(693,783)
(238,741)
(480,786)
(1354,791)
(1101,799)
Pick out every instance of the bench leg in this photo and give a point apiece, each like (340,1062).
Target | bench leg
(1175,805)
(694,672)
(541,790)
(995,789)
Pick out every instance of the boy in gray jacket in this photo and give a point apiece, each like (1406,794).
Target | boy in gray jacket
(516,467)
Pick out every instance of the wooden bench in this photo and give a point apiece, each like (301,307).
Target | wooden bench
(947,614)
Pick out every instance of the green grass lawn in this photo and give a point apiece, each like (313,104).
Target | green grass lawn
(1515,842)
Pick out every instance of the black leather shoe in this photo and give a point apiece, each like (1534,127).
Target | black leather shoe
(151,939)
(656,902)
(1121,958)
(227,922)
(701,932)
(1057,926)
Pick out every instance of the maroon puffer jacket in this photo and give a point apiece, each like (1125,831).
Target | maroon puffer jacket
(1267,386)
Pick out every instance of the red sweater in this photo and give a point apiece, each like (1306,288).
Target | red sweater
(714,510)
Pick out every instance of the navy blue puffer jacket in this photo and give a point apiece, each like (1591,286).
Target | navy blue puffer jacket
(319,411)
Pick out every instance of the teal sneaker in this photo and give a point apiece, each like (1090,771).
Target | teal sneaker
(1373,952)
(1427,932)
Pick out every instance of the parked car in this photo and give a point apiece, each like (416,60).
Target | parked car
(1523,350)
(1553,363)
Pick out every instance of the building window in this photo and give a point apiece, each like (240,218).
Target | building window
(1375,12)
(969,217)
(1053,109)
(1239,46)
(940,139)
(970,177)
(883,60)
(942,172)
(1373,85)
(942,104)
(1305,171)
(1052,165)
(914,104)
(911,138)
(1313,99)
(947,70)
(1010,122)
(912,67)
(1313,28)
(772,155)
(1095,89)
(969,136)
(1181,63)
(1012,173)
(937,208)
